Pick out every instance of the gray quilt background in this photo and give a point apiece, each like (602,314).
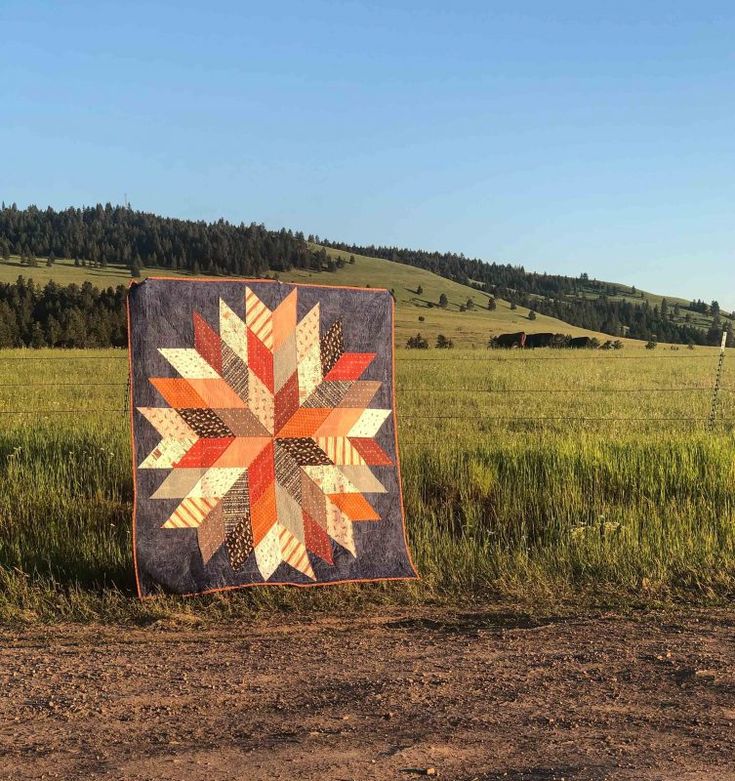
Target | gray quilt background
(161,313)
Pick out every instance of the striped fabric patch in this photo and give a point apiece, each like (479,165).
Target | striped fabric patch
(258,318)
(295,554)
(190,513)
(339,450)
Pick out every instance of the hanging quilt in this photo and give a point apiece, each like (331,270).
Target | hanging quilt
(264,438)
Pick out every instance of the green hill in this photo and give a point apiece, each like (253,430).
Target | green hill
(679,309)
(415,312)
(467,328)
(118,238)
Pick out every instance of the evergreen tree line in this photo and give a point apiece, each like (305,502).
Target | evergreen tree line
(105,235)
(61,316)
(567,298)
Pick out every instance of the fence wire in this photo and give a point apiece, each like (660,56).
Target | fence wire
(416,388)
(528,355)
(488,356)
(421,389)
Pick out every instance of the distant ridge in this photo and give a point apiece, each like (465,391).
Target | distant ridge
(104,241)
(611,308)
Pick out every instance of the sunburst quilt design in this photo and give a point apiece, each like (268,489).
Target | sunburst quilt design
(268,439)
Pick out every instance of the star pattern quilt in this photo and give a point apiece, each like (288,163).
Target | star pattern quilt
(264,436)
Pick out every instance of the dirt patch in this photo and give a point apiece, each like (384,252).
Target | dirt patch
(465,696)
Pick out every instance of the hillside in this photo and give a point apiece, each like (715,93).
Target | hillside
(64,272)
(110,242)
(679,309)
(366,271)
(468,329)
(590,304)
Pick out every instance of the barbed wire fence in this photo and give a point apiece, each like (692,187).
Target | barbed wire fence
(710,421)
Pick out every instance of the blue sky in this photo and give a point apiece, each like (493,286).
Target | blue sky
(564,136)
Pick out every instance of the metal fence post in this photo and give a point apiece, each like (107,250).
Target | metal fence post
(718,381)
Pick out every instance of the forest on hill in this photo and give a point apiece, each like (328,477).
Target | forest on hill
(102,235)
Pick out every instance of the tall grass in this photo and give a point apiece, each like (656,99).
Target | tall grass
(562,514)
(518,509)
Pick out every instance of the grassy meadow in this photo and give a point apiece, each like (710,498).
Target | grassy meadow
(529,476)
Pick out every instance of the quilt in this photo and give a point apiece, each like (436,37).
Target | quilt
(264,436)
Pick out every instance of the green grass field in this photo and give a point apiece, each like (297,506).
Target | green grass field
(632,501)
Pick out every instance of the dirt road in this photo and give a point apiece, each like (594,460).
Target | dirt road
(461,695)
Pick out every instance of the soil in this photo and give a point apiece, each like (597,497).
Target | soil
(459,695)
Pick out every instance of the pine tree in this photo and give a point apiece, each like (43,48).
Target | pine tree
(714,333)
(443,301)
(37,336)
(417,342)
(443,343)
